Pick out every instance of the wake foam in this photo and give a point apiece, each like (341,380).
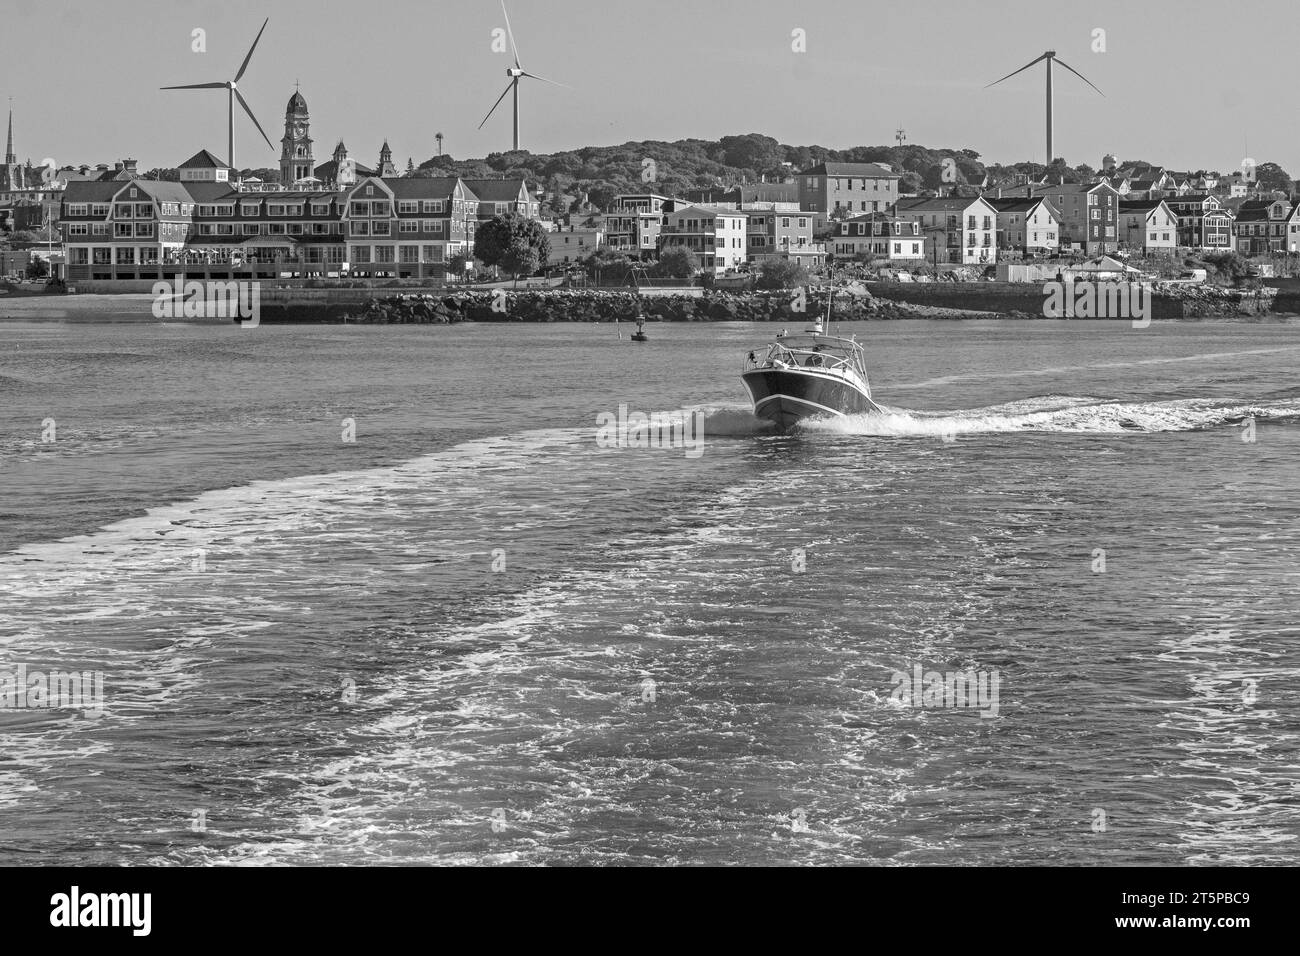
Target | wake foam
(1056,413)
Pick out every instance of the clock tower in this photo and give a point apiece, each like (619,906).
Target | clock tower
(295,148)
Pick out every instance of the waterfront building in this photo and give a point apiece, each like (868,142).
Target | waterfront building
(1088,214)
(1266,226)
(780,230)
(963,229)
(634,221)
(1202,222)
(840,190)
(1148,226)
(878,235)
(715,236)
(1027,224)
(498,197)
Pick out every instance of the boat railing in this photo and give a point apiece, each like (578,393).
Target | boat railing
(823,357)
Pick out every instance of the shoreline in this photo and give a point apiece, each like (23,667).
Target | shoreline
(320,307)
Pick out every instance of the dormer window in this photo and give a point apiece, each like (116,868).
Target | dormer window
(370,190)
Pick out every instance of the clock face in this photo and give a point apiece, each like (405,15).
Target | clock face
(298,131)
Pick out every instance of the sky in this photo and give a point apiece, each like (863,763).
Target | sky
(1189,84)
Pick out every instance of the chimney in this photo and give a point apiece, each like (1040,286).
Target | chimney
(117,167)
(129,165)
(102,167)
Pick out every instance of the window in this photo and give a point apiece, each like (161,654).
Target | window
(383,253)
(432,205)
(381,208)
(78,229)
(123,210)
(77,209)
(409,225)
(100,209)
(320,228)
(361,228)
(360,253)
(408,205)
(970,222)
(434,227)
(225,229)
(320,209)
(275,209)
(148,255)
(250,228)
(122,229)
(143,210)
(275,229)
(785,223)
(126,256)
(410,253)
(370,191)
(144,230)
(360,208)
(99,229)
(432,253)
(226,209)
(103,256)
(293,209)
(81,257)
(380,227)
(249,208)
(295,228)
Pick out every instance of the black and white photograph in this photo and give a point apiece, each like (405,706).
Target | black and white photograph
(602,434)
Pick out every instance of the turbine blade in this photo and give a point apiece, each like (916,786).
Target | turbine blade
(1021,70)
(509,86)
(240,96)
(196,86)
(244,66)
(545,80)
(513,48)
(1061,62)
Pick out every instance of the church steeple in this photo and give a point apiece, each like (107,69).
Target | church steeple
(386,167)
(9,142)
(295,148)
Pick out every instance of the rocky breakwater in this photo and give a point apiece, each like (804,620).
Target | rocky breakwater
(1186,300)
(582,305)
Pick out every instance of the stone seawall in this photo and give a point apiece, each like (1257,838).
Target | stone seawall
(1169,301)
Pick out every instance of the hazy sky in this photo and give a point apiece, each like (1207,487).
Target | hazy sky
(1189,83)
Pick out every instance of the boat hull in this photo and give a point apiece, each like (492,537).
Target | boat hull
(785,396)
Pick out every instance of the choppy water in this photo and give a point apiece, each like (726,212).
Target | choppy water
(648,679)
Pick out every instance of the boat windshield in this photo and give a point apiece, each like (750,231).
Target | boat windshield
(823,352)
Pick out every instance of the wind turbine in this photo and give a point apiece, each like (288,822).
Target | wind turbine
(1049,56)
(231,95)
(515,74)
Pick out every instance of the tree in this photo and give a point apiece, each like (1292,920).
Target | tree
(456,265)
(1273,176)
(166,175)
(781,274)
(518,245)
(676,262)
(38,268)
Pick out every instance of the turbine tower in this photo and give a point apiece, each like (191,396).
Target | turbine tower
(232,93)
(515,74)
(1049,56)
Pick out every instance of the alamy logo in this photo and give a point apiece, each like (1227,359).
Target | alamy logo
(103,909)
(180,299)
(680,429)
(1098,300)
(22,689)
(973,690)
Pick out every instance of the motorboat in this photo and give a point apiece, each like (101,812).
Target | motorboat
(808,374)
